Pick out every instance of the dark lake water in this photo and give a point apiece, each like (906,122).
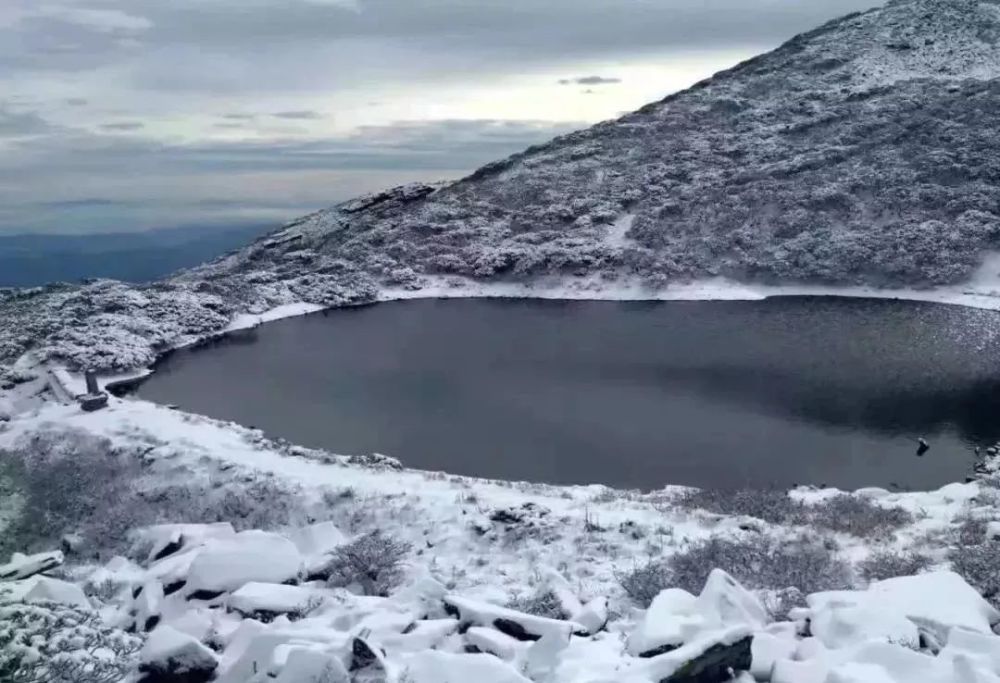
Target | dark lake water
(724,394)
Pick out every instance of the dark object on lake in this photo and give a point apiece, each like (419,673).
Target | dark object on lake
(94,399)
(922,447)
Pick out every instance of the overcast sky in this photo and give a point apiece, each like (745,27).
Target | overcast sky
(123,115)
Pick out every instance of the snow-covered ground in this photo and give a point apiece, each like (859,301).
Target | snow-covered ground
(474,546)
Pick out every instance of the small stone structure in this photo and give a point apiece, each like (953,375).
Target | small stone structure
(94,399)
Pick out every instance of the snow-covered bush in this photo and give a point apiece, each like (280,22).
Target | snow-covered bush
(64,479)
(761,563)
(979,564)
(71,481)
(48,643)
(541,603)
(774,505)
(374,561)
(645,581)
(858,516)
(888,564)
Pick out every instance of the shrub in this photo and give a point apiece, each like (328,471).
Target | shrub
(978,564)
(886,565)
(644,582)
(761,563)
(542,603)
(71,481)
(858,516)
(375,561)
(58,644)
(770,505)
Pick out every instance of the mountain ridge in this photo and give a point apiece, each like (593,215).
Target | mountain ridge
(860,153)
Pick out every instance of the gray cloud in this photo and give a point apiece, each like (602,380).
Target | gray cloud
(235,116)
(123,125)
(300,114)
(77,101)
(16,124)
(589,80)
(153,183)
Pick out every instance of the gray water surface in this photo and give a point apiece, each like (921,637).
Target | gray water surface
(721,394)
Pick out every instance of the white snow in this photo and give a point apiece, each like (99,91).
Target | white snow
(248,556)
(46,589)
(249,320)
(937,601)
(167,649)
(671,618)
(22,566)
(432,666)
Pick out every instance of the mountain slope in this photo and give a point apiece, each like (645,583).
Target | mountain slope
(862,152)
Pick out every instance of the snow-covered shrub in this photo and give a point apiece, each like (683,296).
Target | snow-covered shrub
(542,603)
(374,561)
(48,643)
(761,563)
(886,565)
(645,581)
(72,481)
(979,564)
(858,516)
(773,505)
(64,479)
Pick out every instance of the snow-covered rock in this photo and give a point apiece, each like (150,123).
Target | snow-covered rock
(148,605)
(268,600)
(515,624)
(306,665)
(593,616)
(983,650)
(169,655)
(433,666)
(23,566)
(767,649)
(671,619)
(709,657)
(166,539)
(225,565)
(727,603)
(841,626)
(935,602)
(493,642)
(45,589)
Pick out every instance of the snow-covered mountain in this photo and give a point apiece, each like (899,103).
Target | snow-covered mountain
(860,153)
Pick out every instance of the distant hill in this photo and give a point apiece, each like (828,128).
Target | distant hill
(30,260)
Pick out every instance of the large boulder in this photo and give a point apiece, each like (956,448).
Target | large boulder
(169,656)
(724,602)
(265,601)
(841,626)
(671,619)
(936,602)
(225,565)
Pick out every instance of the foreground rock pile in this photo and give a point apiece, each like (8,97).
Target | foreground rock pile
(206,603)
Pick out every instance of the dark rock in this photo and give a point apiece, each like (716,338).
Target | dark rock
(169,549)
(203,594)
(716,665)
(363,655)
(173,587)
(656,651)
(513,629)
